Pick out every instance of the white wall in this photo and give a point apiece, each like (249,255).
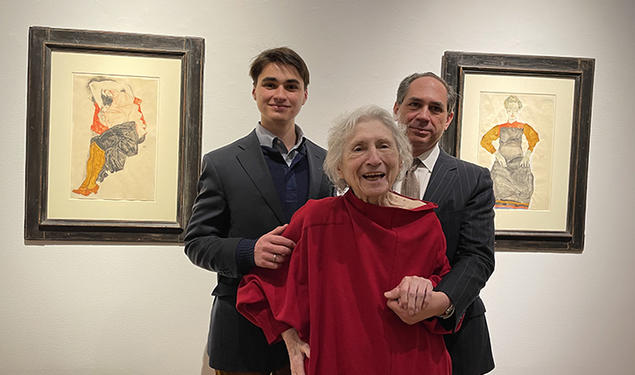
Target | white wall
(68,309)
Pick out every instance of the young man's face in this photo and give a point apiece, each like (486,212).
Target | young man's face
(279,94)
(424,112)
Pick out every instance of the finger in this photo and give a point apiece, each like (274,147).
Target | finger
(280,249)
(279,229)
(403,296)
(392,294)
(421,297)
(278,258)
(305,349)
(281,241)
(412,298)
(393,305)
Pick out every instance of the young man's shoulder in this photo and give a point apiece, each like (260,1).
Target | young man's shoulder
(234,147)
(315,147)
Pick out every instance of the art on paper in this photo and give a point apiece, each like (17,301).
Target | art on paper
(114,137)
(516,133)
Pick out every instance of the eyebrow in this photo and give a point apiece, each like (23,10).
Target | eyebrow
(273,79)
(419,100)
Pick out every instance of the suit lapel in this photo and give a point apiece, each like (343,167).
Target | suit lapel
(315,170)
(253,162)
(443,176)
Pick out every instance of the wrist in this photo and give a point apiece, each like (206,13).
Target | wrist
(447,313)
(446,307)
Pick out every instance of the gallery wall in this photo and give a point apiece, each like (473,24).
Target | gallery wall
(144,309)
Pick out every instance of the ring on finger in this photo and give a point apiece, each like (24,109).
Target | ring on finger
(274,257)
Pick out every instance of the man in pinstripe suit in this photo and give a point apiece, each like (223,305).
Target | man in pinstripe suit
(464,194)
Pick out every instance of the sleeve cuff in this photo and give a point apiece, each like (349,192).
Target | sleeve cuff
(245,255)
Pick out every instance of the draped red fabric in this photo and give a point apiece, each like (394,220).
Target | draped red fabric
(348,254)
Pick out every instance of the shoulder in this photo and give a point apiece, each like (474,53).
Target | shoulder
(315,149)
(446,159)
(221,154)
(318,211)
(327,210)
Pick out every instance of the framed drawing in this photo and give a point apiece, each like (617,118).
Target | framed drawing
(526,119)
(113,135)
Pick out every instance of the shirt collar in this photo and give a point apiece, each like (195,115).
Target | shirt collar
(266,138)
(429,158)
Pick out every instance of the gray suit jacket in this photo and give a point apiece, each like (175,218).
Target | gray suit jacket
(237,199)
(463,191)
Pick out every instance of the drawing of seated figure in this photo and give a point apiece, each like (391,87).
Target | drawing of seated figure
(120,128)
(511,171)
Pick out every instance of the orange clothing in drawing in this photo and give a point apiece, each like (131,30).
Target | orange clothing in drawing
(494,133)
(513,179)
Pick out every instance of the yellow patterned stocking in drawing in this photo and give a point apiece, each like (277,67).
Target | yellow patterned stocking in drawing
(96,160)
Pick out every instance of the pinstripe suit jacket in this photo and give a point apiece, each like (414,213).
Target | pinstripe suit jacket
(464,194)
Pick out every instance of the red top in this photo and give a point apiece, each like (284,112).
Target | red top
(348,254)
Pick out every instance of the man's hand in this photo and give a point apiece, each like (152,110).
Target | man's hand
(272,249)
(411,293)
(297,349)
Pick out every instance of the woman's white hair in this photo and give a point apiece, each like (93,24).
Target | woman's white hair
(343,129)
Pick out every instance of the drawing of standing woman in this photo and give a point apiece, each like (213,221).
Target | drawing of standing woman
(511,170)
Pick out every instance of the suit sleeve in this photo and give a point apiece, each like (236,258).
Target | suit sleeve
(206,242)
(473,262)
(442,268)
(276,300)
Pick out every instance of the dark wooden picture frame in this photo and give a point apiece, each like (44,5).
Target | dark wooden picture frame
(43,41)
(455,67)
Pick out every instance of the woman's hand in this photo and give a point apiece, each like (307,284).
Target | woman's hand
(501,159)
(436,304)
(297,349)
(411,293)
(526,158)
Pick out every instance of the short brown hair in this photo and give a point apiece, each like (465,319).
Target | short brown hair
(280,55)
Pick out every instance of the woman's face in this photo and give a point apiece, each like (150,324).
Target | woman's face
(370,161)
(512,110)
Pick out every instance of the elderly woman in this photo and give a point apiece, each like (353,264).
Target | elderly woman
(329,302)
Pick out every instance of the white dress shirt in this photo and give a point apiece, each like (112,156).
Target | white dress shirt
(423,172)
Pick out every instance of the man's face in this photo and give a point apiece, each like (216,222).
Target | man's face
(424,112)
(279,94)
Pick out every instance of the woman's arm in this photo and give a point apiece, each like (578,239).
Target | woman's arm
(297,349)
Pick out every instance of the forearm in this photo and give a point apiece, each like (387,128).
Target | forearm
(206,240)
(473,261)
(214,254)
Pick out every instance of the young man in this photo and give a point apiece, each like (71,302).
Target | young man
(463,191)
(247,192)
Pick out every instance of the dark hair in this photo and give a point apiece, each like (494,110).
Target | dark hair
(280,55)
(405,85)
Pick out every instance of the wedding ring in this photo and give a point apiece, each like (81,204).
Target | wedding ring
(274,257)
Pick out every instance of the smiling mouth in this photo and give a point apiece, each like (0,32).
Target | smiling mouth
(373,176)
(279,106)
